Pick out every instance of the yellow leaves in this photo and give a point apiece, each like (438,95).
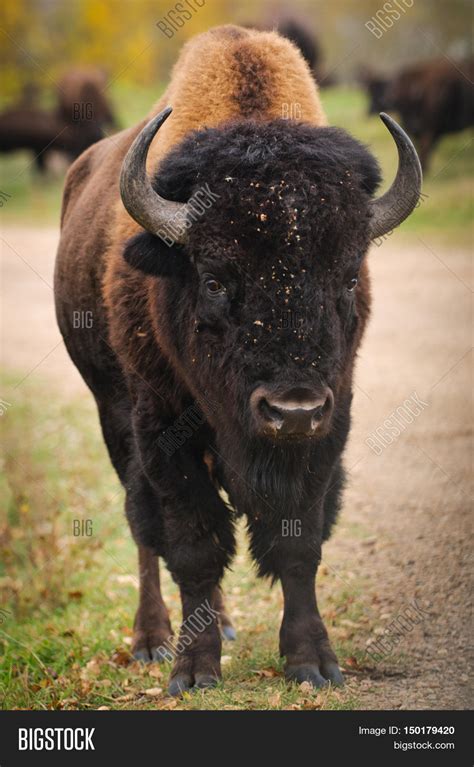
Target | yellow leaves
(97,14)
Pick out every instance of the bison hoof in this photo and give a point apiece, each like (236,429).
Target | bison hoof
(229,633)
(186,682)
(180,684)
(161,654)
(142,655)
(203,681)
(309,673)
(332,673)
(312,674)
(158,654)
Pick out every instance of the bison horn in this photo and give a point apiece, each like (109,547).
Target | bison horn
(393,207)
(165,218)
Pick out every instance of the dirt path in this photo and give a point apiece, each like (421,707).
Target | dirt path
(405,528)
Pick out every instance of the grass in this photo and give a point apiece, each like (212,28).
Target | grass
(446,210)
(67,602)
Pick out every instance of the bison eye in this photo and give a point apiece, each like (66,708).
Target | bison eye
(351,284)
(214,287)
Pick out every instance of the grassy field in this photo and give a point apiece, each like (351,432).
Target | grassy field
(447,187)
(67,601)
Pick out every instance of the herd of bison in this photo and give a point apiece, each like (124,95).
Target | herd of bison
(432,98)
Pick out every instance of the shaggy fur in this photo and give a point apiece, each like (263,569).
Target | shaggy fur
(286,238)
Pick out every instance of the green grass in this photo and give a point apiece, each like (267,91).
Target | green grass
(446,211)
(67,602)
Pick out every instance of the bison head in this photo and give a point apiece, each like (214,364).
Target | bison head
(258,232)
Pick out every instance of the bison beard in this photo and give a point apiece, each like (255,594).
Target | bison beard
(251,325)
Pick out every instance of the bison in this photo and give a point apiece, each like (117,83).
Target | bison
(222,254)
(82,98)
(33,129)
(78,121)
(433,99)
(42,132)
(377,89)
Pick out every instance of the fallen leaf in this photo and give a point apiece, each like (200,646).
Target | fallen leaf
(153,692)
(312,703)
(75,594)
(275,699)
(121,657)
(268,673)
(170,704)
(352,662)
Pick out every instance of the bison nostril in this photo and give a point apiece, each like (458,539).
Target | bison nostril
(322,411)
(270,414)
(317,415)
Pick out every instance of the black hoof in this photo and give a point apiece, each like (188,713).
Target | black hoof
(179,684)
(308,673)
(204,681)
(142,655)
(229,632)
(161,654)
(332,673)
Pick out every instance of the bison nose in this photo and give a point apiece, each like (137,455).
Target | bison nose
(299,411)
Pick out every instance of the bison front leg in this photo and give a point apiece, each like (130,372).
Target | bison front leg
(290,551)
(201,547)
(197,527)
(303,637)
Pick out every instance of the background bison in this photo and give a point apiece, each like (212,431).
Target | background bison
(433,99)
(82,113)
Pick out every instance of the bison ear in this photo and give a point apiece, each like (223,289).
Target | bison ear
(150,255)
(369,171)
